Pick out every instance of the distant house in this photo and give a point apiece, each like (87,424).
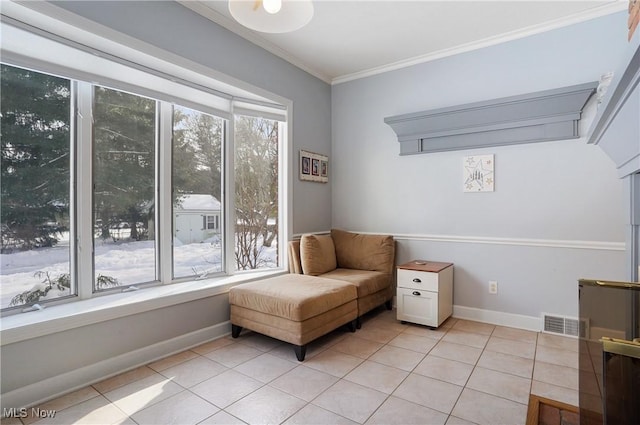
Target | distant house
(196,218)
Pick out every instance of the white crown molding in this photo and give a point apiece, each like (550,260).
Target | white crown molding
(200,8)
(596,12)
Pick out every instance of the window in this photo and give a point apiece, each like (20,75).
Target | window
(35,186)
(124,140)
(212,222)
(197,192)
(107,183)
(256,182)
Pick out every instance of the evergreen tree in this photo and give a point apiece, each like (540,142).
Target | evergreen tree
(205,131)
(197,154)
(35,120)
(124,159)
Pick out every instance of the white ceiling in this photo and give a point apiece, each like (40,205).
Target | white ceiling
(349,39)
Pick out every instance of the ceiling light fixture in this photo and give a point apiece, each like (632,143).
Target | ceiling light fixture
(272,16)
(272,6)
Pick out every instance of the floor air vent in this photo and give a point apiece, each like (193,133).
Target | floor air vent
(565,325)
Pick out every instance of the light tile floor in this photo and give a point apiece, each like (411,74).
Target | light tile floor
(385,373)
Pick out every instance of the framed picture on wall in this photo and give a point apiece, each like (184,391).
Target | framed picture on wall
(478,173)
(314,167)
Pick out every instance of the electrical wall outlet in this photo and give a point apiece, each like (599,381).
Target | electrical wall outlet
(493,287)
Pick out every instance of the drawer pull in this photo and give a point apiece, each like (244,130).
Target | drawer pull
(416,280)
(416,293)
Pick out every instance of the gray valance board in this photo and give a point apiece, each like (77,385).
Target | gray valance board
(536,117)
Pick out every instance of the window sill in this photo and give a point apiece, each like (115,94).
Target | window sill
(63,317)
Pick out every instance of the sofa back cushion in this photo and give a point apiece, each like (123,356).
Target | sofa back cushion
(317,254)
(364,252)
(295,266)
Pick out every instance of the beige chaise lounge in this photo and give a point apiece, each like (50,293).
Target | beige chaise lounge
(334,280)
(362,260)
(293,308)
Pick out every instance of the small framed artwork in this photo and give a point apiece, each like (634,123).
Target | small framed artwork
(314,167)
(478,173)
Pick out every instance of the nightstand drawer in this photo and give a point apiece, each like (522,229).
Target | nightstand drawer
(418,306)
(417,280)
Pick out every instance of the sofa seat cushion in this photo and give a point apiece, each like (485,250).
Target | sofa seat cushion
(364,252)
(293,296)
(366,281)
(317,254)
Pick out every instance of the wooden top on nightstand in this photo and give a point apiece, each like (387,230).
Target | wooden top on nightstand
(425,266)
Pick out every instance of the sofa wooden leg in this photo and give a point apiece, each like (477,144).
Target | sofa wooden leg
(235,330)
(358,323)
(301,351)
(389,305)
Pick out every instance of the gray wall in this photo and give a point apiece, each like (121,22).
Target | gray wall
(175,28)
(553,191)
(66,351)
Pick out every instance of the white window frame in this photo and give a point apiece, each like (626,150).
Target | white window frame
(90,308)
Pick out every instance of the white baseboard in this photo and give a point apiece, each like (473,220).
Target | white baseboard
(59,385)
(500,318)
(519,321)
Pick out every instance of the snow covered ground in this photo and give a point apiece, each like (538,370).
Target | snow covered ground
(130,262)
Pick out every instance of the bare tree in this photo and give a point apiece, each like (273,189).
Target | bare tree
(256,187)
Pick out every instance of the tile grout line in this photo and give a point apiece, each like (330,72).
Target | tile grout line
(377,321)
(409,374)
(469,377)
(364,360)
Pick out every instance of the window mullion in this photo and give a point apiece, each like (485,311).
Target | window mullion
(164,211)
(284,190)
(84,187)
(228,212)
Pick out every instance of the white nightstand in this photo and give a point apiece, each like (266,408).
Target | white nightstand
(425,292)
